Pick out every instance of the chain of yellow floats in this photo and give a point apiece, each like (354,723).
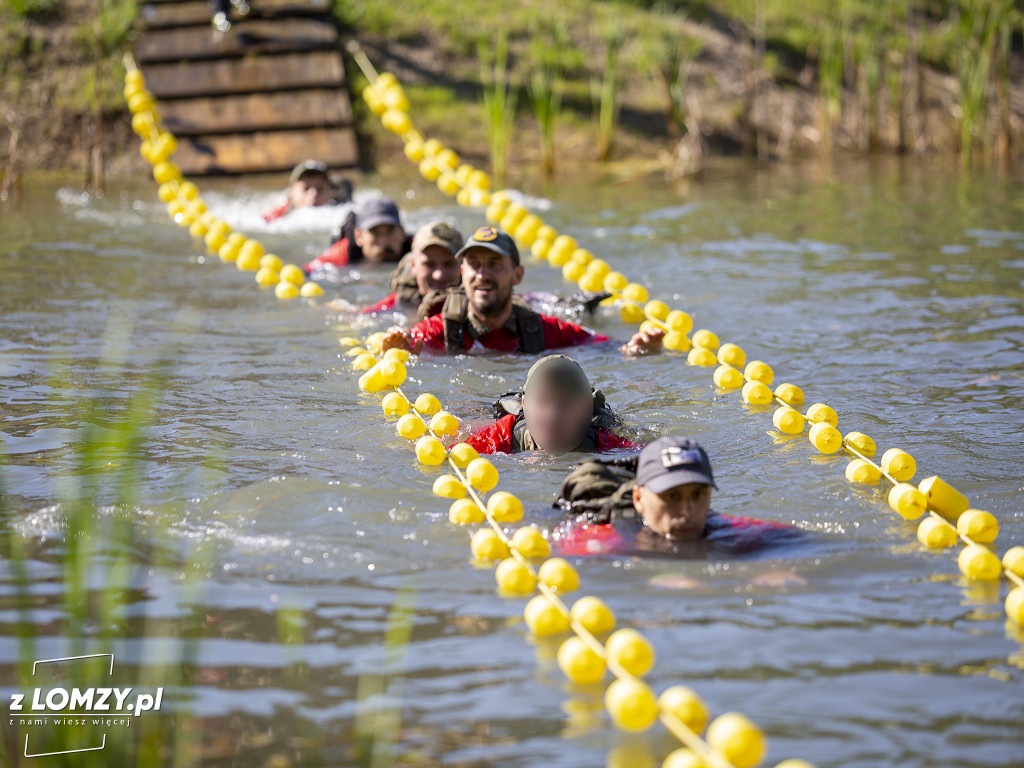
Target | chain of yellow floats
(947,516)
(731,739)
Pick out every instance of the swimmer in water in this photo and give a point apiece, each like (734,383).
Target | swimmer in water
(374,235)
(656,503)
(556,412)
(484,311)
(430,266)
(308,187)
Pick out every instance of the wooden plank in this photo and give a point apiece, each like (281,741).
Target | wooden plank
(249,74)
(256,36)
(257,111)
(266,151)
(163,15)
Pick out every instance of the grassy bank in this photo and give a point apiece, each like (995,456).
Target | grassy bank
(649,83)
(666,82)
(60,85)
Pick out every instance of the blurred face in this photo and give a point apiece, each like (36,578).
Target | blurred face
(311,189)
(679,513)
(557,421)
(434,268)
(489,278)
(381,243)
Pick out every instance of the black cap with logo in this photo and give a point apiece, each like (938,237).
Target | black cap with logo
(493,239)
(672,461)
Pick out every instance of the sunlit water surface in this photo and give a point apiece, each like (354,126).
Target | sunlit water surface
(892,292)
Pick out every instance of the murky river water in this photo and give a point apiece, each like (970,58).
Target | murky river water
(279,518)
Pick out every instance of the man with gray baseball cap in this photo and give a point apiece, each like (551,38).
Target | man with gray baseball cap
(310,186)
(374,234)
(657,502)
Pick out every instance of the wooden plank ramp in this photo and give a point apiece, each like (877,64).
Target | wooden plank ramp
(261,97)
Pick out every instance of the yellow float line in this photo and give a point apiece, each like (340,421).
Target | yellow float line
(673,723)
(677,727)
(371,74)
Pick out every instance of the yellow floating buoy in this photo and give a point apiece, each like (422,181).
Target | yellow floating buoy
(861,443)
(788,420)
(819,413)
(686,706)
(936,534)
(943,498)
(290,273)
(825,437)
(394,403)
(443,423)
(790,394)
(266,277)
(410,426)
(514,578)
(631,704)
(737,739)
(427,404)
(899,464)
(631,651)
(486,544)
(309,290)
(579,662)
(559,575)
(705,338)
(978,563)
(981,527)
(503,506)
(756,393)
(596,617)
(530,543)
(285,291)
(860,471)
(757,370)
(1015,606)
(701,356)
(543,618)
(482,474)
(449,487)
(430,451)
(466,512)
(731,354)
(1013,560)
(462,454)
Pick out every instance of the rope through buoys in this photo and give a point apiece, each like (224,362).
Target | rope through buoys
(731,741)
(187,208)
(944,504)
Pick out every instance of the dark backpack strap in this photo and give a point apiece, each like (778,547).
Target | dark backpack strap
(404,285)
(431,304)
(509,403)
(531,329)
(600,490)
(521,438)
(454,311)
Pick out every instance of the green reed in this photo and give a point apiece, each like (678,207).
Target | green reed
(544,86)
(978,32)
(500,98)
(605,93)
(99,561)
